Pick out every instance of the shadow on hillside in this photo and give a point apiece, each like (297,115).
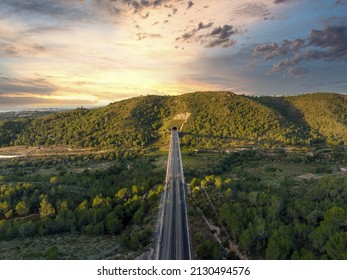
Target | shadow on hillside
(288,110)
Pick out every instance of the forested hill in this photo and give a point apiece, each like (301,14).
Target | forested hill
(209,119)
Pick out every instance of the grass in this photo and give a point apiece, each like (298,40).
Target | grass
(271,169)
(274,170)
(63,246)
(199,163)
(270,172)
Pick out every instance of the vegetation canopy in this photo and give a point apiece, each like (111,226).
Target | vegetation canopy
(207,120)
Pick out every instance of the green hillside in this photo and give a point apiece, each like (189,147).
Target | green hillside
(131,123)
(321,117)
(325,113)
(224,118)
(206,119)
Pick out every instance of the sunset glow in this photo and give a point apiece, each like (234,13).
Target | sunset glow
(93,52)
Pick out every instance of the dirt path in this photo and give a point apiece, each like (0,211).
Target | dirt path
(182,116)
(233,248)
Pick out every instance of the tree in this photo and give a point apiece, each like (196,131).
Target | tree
(333,219)
(54,180)
(228,181)
(134,189)
(139,215)
(4,207)
(318,239)
(228,193)
(160,189)
(280,244)
(98,201)
(121,194)
(134,243)
(245,240)
(113,223)
(209,250)
(234,216)
(194,183)
(46,209)
(83,205)
(337,246)
(21,208)
(218,182)
(63,206)
(9,214)
(273,211)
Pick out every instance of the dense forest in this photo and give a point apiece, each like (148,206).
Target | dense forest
(263,201)
(284,219)
(118,201)
(216,120)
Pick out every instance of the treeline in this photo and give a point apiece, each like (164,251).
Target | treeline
(321,117)
(128,124)
(217,120)
(28,114)
(100,202)
(10,130)
(285,222)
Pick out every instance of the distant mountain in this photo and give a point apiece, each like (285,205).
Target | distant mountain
(28,114)
(206,119)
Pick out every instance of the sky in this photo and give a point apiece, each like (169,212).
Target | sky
(70,53)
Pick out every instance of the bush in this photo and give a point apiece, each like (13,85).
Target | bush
(209,250)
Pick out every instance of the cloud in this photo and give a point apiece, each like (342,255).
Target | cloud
(220,36)
(144,35)
(107,8)
(283,64)
(323,84)
(79,10)
(63,9)
(269,51)
(253,10)
(8,49)
(191,33)
(106,44)
(138,5)
(190,4)
(33,86)
(204,26)
(297,72)
(332,37)
(328,44)
(250,65)
(282,1)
